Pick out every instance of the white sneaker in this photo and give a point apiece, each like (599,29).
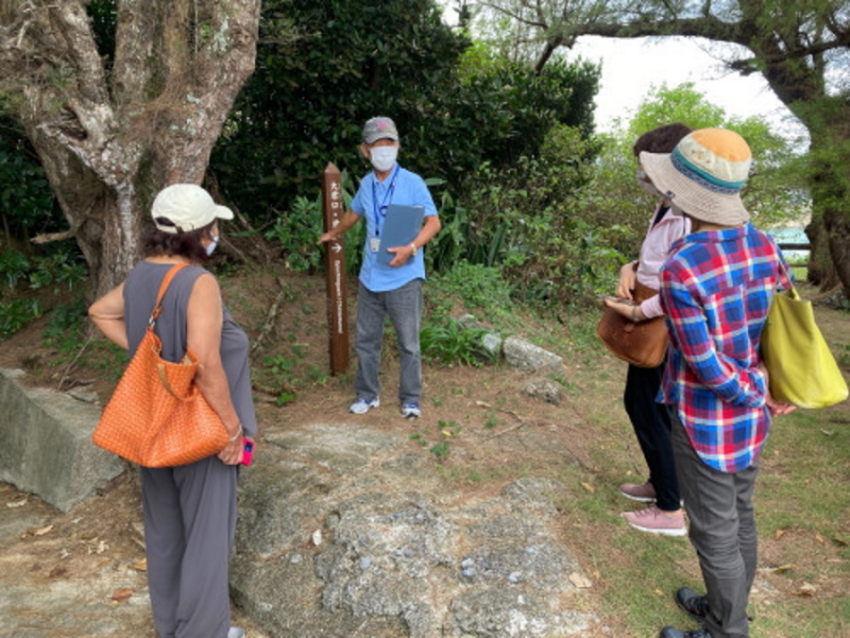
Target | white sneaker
(236,632)
(411,410)
(362,406)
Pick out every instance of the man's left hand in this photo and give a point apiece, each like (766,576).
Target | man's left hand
(402,254)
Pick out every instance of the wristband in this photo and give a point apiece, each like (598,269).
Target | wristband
(237,435)
(413,246)
(634,313)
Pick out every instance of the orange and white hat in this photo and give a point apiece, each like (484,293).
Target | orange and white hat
(704,175)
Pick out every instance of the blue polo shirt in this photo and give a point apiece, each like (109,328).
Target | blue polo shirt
(403,188)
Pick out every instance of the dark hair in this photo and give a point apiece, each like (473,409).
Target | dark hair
(187,244)
(660,140)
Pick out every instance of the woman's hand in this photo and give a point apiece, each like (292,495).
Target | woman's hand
(628,277)
(777,408)
(232,452)
(628,309)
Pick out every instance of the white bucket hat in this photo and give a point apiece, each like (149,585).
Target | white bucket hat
(188,207)
(704,175)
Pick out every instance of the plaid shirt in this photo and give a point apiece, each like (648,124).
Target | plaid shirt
(716,290)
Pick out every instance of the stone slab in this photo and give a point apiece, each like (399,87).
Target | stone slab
(47,448)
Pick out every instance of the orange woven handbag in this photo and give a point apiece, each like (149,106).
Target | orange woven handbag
(157,416)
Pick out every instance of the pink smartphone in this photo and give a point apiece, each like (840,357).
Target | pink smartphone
(247,451)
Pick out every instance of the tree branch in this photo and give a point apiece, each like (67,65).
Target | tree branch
(51,237)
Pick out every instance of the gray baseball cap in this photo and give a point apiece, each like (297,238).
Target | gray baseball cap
(379,128)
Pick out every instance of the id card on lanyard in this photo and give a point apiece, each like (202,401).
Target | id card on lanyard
(380,212)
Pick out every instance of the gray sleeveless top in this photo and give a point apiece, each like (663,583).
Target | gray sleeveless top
(140,290)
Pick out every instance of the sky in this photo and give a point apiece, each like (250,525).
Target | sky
(630,67)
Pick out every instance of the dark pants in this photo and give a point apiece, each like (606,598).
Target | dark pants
(190,523)
(651,423)
(723,533)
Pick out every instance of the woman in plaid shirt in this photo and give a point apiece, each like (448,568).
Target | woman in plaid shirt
(716,288)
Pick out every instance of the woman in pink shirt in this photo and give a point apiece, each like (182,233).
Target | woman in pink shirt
(640,281)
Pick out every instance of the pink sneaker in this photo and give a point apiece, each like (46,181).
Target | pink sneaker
(655,521)
(643,492)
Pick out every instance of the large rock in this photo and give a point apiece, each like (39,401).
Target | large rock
(47,448)
(345,531)
(528,357)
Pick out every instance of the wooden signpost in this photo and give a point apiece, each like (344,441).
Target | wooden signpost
(334,208)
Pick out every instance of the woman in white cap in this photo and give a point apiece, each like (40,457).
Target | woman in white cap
(716,289)
(190,510)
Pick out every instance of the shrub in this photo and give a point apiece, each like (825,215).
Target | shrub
(448,342)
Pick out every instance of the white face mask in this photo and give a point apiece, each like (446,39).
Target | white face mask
(212,245)
(383,157)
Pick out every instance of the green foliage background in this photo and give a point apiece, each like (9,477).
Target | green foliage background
(324,67)
(522,182)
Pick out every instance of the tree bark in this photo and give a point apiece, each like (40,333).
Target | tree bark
(109,141)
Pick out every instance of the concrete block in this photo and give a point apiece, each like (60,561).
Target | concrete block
(47,448)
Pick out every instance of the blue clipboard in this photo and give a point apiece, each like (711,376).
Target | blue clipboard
(401,226)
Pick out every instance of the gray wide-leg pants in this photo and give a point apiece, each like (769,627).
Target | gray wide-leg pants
(190,524)
(404,307)
(722,531)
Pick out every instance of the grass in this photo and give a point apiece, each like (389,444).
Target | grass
(803,518)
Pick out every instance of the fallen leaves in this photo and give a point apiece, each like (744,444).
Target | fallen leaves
(122,595)
(140,565)
(580,581)
(806,590)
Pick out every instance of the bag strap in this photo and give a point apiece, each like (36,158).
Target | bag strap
(166,281)
(791,291)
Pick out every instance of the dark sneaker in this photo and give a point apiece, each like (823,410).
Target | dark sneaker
(642,492)
(692,603)
(670,632)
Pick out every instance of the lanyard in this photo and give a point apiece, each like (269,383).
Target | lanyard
(388,196)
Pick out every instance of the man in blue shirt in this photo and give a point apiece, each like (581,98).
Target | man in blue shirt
(393,289)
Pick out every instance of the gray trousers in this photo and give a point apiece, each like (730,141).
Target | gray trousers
(190,523)
(404,307)
(723,532)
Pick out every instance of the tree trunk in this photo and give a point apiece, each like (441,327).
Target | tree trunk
(820,271)
(110,141)
(838,232)
(830,158)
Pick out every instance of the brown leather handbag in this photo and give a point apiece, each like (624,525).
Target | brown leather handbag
(643,344)
(157,416)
